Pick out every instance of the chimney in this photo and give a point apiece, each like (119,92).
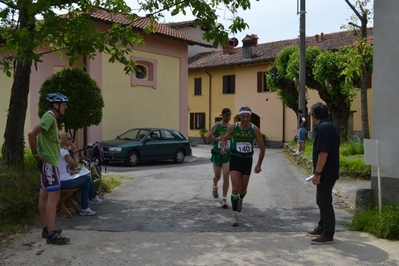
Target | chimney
(322,36)
(316,37)
(229,47)
(249,46)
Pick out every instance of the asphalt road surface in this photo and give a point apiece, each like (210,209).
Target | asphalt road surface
(164,214)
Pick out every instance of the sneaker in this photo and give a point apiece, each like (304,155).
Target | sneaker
(56,239)
(321,240)
(224,204)
(239,207)
(96,200)
(315,232)
(45,232)
(87,212)
(215,192)
(296,153)
(234,221)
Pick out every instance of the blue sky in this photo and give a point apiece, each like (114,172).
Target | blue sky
(274,20)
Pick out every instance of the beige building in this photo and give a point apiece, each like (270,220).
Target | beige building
(157,97)
(235,77)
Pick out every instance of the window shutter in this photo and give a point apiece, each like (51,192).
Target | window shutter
(260,81)
(225,84)
(192,120)
(233,84)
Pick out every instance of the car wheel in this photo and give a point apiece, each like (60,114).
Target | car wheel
(132,158)
(179,156)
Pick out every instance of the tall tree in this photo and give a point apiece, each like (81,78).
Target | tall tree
(323,73)
(22,33)
(362,15)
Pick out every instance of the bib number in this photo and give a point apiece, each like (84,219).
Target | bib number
(227,144)
(244,147)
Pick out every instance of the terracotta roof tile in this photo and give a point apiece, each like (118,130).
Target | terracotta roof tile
(142,22)
(268,51)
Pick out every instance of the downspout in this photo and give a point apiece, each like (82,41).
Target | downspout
(210,99)
(85,128)
(283,126)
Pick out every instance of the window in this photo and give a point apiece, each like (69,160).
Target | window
(141,72)
(262,84)
(229,84)
(198,86)
(197,120)
(147,72)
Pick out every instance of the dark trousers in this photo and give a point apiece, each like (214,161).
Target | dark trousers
(324,201)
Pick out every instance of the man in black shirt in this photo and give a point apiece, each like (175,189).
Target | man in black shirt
(326,172)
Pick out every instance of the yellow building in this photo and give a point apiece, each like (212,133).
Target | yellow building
(235,77)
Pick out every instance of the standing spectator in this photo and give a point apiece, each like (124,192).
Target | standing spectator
(220,162)
(243,135)
(43,142)
(326,172)
(68,182)
(301,133)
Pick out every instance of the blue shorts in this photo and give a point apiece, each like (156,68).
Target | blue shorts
(301,134)
(49,177)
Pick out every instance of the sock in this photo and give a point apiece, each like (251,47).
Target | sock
(45,229)
(51,233)
(234,202)
(243,195)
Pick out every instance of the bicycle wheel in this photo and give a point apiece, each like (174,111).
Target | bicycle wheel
(96,177)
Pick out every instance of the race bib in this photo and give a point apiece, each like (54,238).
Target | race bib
(244,147)
(227,144)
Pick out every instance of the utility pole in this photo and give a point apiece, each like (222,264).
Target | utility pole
(302,57)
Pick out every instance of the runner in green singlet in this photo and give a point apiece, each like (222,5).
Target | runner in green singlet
(242,134)
(220,162)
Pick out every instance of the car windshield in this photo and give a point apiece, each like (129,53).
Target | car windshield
(133,134)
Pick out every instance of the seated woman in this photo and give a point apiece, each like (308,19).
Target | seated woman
(67,182)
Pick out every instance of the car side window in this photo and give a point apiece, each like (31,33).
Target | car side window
(168,135)
(155,135)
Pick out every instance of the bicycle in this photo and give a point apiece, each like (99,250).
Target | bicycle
(92,164)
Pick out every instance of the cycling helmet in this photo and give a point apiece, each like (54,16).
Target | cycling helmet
(56,98)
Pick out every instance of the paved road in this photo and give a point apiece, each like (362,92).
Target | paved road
(164,214)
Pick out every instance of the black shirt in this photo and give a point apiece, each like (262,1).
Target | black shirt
(300,117)
(327,139)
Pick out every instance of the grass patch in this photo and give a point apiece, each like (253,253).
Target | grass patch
(351,159)
(384,225)
(111,182)
(19,194)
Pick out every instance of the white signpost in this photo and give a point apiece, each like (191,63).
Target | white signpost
(377,153)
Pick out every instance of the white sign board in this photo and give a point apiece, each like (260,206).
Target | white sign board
(377,152)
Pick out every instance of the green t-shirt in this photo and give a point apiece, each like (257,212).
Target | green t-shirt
(242,144)
(220,130)
(47,141)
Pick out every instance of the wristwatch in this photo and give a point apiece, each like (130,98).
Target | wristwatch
(316,173)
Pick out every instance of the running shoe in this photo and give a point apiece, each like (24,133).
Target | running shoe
(239,207)
(215,192)
(224,204)
(96,200)
(234,221)
(45,232)
(56,239)
(87,212)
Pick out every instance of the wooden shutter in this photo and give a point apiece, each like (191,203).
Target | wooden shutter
(192,116)
(233,84)
(260,81)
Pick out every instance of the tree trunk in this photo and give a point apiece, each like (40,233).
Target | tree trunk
(14,143)
(363,89)
(13,147)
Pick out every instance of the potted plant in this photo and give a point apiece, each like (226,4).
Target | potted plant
(203,132)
